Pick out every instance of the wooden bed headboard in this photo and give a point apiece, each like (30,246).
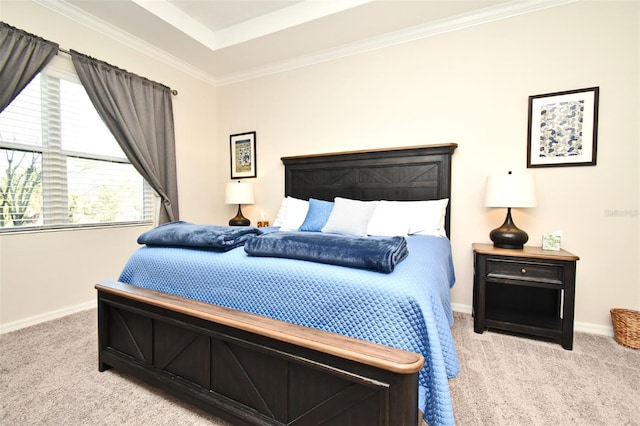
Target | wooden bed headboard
(400,174)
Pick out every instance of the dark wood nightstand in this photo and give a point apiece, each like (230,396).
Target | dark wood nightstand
(526,291)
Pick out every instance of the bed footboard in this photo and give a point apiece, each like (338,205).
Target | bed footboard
(249,369)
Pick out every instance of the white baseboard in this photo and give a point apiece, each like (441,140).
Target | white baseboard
(584,327)
(587,327)
(465,309)
(47,316)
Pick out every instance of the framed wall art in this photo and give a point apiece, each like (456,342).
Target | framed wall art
(563,128)
(243,155)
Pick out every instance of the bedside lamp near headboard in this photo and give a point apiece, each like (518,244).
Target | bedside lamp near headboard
(510,190)
(239,193)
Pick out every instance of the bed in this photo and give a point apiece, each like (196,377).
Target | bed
(250,366)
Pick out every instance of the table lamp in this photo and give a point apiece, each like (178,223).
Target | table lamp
(510,190)
(239,193)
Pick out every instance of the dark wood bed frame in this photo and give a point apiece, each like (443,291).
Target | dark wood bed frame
(249,369)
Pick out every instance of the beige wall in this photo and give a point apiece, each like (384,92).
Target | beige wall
(46,274)
(471,87)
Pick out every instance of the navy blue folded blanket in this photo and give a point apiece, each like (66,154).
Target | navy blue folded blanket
(185,234)
(379,254)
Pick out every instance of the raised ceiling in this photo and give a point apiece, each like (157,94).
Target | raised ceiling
(230,40)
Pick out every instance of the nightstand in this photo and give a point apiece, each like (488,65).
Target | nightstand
(526,291)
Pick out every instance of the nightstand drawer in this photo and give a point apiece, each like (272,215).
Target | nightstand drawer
(524,270)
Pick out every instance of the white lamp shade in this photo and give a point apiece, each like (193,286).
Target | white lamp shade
(239,193)
(510,190)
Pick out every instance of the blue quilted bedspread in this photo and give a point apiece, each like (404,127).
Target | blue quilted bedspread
(408,309)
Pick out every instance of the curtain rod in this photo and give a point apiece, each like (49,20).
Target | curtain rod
(173,91)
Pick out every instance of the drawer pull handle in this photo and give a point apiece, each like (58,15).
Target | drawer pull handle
(523,271)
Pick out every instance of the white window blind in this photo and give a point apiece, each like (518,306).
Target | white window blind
(59,164)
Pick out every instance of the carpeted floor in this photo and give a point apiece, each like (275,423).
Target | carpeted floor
(504,380)
(507,380)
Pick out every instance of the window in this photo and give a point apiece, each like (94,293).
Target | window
(59,164)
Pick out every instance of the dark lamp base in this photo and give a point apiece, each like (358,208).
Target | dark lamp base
(239,220)
(509,236)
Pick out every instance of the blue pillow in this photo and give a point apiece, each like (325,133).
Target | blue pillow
(317,215)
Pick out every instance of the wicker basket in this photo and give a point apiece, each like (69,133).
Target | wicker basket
(626,327)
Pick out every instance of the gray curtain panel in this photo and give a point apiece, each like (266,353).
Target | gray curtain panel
(22,57)
(139,113)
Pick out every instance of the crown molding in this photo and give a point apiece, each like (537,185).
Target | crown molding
(287,17)
(69,11)
(490,14)
(484,16)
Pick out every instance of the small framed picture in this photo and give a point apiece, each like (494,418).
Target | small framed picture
(563,128)
(243,155)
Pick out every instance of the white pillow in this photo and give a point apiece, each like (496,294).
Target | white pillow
(427,217)
(281,213)
(349,217)
(295,214)
(389,219)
